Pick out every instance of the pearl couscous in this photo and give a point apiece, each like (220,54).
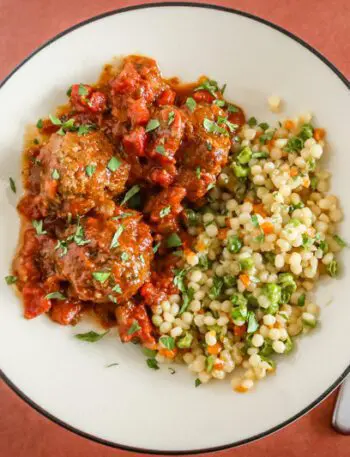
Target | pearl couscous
(266,234)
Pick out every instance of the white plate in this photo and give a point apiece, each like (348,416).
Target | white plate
(129,405)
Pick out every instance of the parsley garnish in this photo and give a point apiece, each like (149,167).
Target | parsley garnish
(152,125)
(101,276)
(11,279)
(115,242)
(55,174)
(55,296)
(220,103)
(252,122)
(173,241)
(198,172)
(255,220)
(135,327)
(13,185)
(38,225)
(171,117)
(90,170)
(156,247)
(85,128)
(197,382)
(161,150)
(124,256)
(82,90)
(91,337)
(191,104)
(210,86)
(39,124)
(130,193)
(114,164)
(168,342)
(165,211)
(117,289)
(152,363)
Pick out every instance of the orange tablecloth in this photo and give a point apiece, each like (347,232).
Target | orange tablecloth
(24,25)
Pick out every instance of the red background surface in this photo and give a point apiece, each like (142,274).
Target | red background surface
(26,24)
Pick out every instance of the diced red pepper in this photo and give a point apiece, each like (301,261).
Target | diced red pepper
(84,98)
(34,300)
(65,312)
(135,141)
(97,102)
(138,112)
(161,177)
(167,97)
(203,96)
(127,80)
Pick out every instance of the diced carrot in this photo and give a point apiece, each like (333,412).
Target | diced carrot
(200,246)
(258,208)
(319,134)
(168,353)
(227,222)
(214,350)
(267,228)
(294,172)
(306,182)
(248,200)
(289,125)
(219,365)
(241,389)
(222,234)
(245,280)
(239,330)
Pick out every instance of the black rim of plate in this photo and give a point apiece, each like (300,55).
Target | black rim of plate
(307,408)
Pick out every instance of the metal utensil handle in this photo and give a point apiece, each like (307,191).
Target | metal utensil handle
(341,414)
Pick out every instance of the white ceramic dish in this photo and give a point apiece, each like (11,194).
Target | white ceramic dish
(129,405)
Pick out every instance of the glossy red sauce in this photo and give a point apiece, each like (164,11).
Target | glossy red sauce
(106,183)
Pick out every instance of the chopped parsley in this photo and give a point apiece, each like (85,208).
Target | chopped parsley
(152,363)
(114,164)
(197,382)
(91,337)
(124,256)
(55,120)
(90,170)
(173,240)
(171,370)
(210,86)
(232,109)
(86,128)
(55,296)
(134,328)
(191,104)
(13,185)
(252,122)
(82,90)
(264,125)
(198,172)
(301,300)
(55,174)
(209,145)
(165,211)
(220,103)
(340,241)
(171,117)
(213,127)
(130,193)
(156,247)
(101,276)
(152,125)
(161,150)
(118,232)
(267,136)
(39,124)
(168,342)
(38,225)
(11,279)
(117,289)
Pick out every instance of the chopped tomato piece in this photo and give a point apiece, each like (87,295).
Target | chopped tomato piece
(237,117)
(34,300)
(65,312)
(203,96)
(167,97)
(127,80)
(83,97)
(97,102)
(135,141)
(239,330)
(138,112)
(161,177)
(134,323)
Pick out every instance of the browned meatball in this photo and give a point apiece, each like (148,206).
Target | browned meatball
(203,152)
(105,260)
(79,173)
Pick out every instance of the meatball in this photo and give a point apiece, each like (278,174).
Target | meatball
(79,173)
(105,260)
(204,151)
